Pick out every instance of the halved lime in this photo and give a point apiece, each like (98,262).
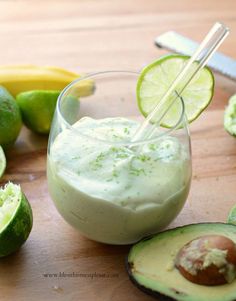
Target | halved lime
(16,219)
(230,116)
(156,78)
(232,216)
(3,162)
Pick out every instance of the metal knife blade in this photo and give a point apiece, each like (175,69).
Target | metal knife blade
(180,44)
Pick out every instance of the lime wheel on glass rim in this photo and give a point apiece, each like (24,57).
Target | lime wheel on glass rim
(10,119)
(155,80)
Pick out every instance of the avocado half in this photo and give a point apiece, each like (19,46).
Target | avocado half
(150,264)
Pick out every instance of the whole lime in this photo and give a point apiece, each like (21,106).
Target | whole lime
(37,109)
(10,118)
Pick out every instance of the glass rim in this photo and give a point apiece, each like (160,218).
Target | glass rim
(120,143)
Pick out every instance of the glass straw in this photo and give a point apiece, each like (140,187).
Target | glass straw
(203,53)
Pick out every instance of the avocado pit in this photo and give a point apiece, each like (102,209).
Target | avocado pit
(208,260)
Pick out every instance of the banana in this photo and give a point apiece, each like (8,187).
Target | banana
(20,78)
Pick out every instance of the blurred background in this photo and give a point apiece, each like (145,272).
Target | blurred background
(91,35)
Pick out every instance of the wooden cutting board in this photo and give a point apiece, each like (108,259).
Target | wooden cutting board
(93,36)
(57,263)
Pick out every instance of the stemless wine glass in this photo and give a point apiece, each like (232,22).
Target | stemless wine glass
(111,190)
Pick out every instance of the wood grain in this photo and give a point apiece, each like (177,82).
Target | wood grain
(88,36)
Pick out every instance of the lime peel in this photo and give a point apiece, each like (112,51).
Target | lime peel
(37,109)
(230,116)
(16,219)
(10,117)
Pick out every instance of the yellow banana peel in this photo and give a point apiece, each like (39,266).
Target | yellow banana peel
(20,78)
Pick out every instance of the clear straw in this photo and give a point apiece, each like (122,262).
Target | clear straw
(203,53)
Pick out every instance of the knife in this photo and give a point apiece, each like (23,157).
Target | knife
(180,44)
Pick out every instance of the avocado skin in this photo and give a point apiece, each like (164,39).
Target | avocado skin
(157,295)
(148,291)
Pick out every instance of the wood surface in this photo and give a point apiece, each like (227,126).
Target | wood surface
(88,36)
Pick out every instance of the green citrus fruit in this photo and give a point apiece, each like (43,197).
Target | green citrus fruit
(37,109)
(16,219)
(232,216)
(3,162)
(10,118)
(155,80)
(230,116)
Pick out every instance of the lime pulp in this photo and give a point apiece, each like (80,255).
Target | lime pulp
(16,219)
(3,162)
(230,116)
(155,80)
(232,216)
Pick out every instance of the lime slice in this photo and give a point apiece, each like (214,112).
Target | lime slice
(37,109)
(3,162)
(156,78)
(230,116)
(16,219)
(232,216)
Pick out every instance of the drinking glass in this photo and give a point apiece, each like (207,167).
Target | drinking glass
(108,197)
